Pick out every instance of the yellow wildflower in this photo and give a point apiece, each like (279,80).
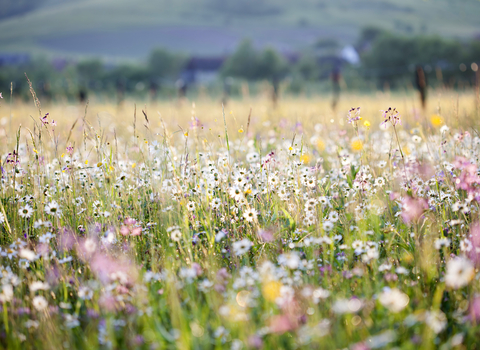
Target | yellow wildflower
(305,158)
(271,290)
(356,145)
(320,145)
(436,120)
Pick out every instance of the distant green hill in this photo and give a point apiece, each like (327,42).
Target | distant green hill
(130,29)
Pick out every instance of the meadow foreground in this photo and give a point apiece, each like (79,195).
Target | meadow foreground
(182,227)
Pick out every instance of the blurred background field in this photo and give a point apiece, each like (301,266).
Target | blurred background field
(254,117)
(215,27)
(81,49)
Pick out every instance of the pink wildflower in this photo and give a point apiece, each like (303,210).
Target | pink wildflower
(282,323)
(130,227)
(474,253)
(468,180)
(413,208)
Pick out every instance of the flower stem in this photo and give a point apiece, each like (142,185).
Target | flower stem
(401,153)
(5,317)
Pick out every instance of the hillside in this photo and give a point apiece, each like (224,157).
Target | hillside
(125,28)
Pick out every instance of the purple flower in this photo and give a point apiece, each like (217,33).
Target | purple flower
(196,123)
(92,313)
(391,115)
(474,310)
(255,342)
(353,115)
(45,119)
(139,340)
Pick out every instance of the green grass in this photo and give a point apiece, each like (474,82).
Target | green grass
(146,269)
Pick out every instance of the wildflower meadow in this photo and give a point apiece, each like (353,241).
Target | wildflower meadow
(188,225)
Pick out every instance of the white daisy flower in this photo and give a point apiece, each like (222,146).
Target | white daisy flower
(176,235)
(215,203)
(39,303)
(393,299)
(53,209)
(250,214)
(436,320)
(191,206)
(442,242)
(241,247)
(460,272)
(328,225)
(85,293)
(38,285)
(25,211)
(27,254)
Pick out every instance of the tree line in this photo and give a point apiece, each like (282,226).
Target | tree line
(387,59)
